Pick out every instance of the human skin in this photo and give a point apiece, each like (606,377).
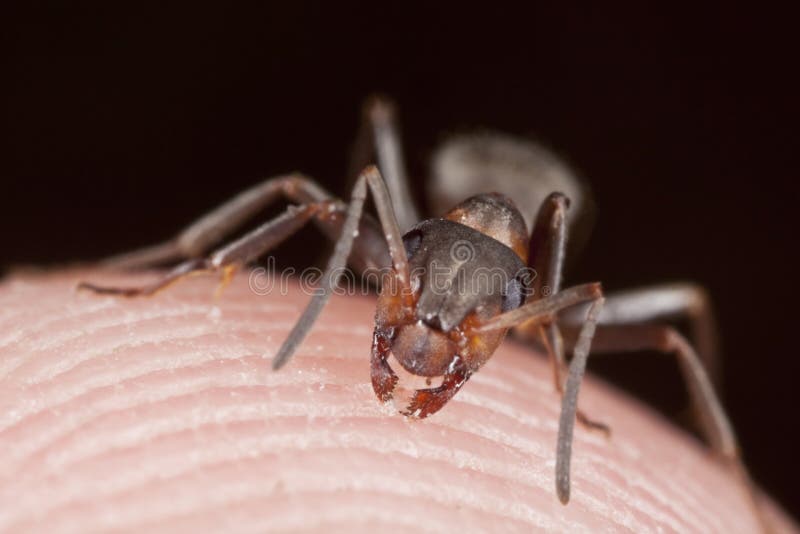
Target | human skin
(163,414)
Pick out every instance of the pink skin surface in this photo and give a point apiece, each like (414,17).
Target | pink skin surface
(163,414)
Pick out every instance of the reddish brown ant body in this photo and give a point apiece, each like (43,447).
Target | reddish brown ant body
(435,315)
(450,326)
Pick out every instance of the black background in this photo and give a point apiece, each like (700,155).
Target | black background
(121,126)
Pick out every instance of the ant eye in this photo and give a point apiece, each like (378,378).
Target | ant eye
(412,241)
(513,296)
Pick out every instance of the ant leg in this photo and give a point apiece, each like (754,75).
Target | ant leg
(211,228)
(667,302)
(383,204)
(554,344)
(547,245)
(547,249)
(239,252)
(379,134)
(544,310)
(569,402)
(715,425)
(180,271)
(272,233)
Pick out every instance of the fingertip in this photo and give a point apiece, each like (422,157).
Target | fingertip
(120,404)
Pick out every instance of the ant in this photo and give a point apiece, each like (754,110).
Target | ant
(436,316)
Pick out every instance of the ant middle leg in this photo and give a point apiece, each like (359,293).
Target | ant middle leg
(329,215)
(210,229)
(666,302)
(715,425)
(228,258)
(374,245)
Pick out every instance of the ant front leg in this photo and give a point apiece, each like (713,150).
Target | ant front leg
(371,180)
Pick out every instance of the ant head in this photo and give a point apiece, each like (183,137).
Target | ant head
(460,278)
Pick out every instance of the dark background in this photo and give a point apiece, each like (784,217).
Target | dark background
(120,127)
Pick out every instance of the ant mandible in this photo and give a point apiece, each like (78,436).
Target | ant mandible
(451,326)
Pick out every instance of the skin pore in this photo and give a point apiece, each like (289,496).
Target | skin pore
(163,414)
